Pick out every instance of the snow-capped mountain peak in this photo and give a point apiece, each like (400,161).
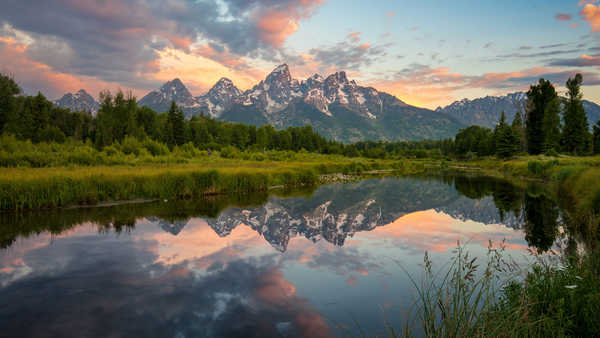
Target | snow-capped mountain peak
(80,101)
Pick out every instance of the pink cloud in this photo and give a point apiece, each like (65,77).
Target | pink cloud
(591,14)
(35,76)
(354,36)
(276,24)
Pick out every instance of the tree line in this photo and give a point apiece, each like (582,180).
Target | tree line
(547,124)
(551,125)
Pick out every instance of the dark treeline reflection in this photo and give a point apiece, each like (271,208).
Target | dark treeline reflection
(124,216)
(377,201)
(537,212)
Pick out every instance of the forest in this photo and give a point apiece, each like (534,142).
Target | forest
(29,124)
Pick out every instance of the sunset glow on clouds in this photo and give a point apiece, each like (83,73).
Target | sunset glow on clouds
(426,54)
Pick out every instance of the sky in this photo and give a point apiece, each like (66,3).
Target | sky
(427,53)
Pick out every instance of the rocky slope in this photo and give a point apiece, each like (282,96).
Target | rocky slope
(80,101)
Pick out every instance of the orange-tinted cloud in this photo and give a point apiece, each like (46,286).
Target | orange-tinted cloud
(354,36)
(201,245)
(591,14)
(274,288)
(34,76)
(276,24)
(443,232)
(204,66)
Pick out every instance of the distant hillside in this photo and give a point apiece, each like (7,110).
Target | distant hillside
(486,111)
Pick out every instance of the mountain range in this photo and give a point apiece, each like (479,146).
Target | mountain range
(486,111)
(335,106)
(337,212)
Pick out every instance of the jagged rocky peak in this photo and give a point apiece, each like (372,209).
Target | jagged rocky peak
(175,88)
(224,86)
(280,75)
(338,77)
(80,101)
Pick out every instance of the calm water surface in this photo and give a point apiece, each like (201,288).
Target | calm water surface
(310,264)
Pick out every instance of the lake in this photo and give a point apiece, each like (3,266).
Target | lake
(324,262)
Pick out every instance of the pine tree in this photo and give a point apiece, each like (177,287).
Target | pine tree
(540,130)
(175,133)
(575,132)
(596,138)
(506,141)
(8,90)
(551,126)
(518,130)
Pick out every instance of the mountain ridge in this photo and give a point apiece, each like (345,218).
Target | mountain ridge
(486,111)
(337,107)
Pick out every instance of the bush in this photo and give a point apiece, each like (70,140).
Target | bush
(131,145)
(155,148)
(51,134)
(230,152)
(112,150)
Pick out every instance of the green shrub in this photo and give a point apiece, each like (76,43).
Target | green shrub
(51,134)
(230,152)
(155,148)
(131,145)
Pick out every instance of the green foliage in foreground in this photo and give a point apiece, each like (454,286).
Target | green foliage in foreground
(469,298)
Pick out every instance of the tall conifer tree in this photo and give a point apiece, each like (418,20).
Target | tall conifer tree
(542,99)
(575,132)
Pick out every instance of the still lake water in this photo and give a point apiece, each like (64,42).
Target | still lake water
(301,264)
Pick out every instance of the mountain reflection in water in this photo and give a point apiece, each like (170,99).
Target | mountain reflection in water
(303,264)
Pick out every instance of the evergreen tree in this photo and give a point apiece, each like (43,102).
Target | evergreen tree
(596,138)
(575,132)
(539,130)
(105,122)
(41,115)
(8,90)
(175,133)
(518,130)
(506,142)
(551,126)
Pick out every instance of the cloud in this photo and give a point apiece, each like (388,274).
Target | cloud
(554,45)
(33,76)
(488,45)
(532,55)
(354,37)
(389,14)
(582,61)
(591,14)
(423,85)
(121,41)
(563,17)
(348,55)
(242,297)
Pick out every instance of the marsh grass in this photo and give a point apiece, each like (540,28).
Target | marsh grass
(558,296)
(38,188)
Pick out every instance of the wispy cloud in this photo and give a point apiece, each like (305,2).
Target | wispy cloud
(582,61)
(563,17)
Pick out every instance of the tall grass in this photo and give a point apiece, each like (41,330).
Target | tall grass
(454,301)
(468,298)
